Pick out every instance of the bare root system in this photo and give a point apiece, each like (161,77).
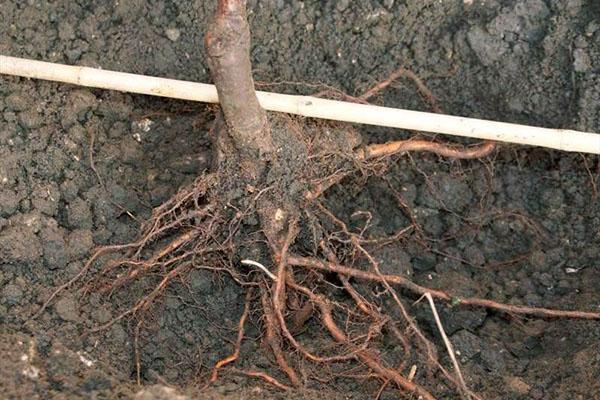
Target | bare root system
(304,267)
(292,287)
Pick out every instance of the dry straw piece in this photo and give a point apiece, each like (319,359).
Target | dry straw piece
(560,139)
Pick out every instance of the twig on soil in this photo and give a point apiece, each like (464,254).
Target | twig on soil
(91,157)
(462,385)
(99,177)
(593,178)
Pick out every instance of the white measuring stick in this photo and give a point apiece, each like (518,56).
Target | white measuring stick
(560,139)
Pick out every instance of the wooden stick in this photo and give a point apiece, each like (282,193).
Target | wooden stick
(560,139)
(449,348)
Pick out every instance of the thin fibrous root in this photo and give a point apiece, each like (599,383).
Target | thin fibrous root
(375,151)
(366,307)
(146,266)
(439,294)
(264,376)
(365,355)
(81,273)
(400,73)
(137,353)
(145,302)
(156,226)
(279,296)
(273,340)
(459,376)
(238,344)
(430,350)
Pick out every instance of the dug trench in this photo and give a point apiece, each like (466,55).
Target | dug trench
(462,231)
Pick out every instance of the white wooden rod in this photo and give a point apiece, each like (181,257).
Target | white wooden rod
(560,139)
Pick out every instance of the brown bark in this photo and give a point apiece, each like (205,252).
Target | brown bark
(244,141)
(227,43)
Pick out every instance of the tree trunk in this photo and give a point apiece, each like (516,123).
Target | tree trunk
(247,132)
(246,155)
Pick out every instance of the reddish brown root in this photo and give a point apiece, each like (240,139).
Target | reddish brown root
(136,350)
(365,355)
(429,349)
(376,151)
(201,228)
(273,340)
(238,343)
(82,272)
(439,294)
(145,266)
(265,377)
(279,301)
(390,148)
(147,300)
(301,316)
(404,73)
(381,389)
(189,211)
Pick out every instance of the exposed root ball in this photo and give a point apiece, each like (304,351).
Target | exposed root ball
(263,203)
(215,223)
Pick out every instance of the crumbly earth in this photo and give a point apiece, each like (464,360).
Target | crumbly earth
(522,227)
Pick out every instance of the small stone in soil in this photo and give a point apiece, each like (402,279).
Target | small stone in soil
(173,34)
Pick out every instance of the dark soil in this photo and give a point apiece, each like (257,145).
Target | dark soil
(522,227)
